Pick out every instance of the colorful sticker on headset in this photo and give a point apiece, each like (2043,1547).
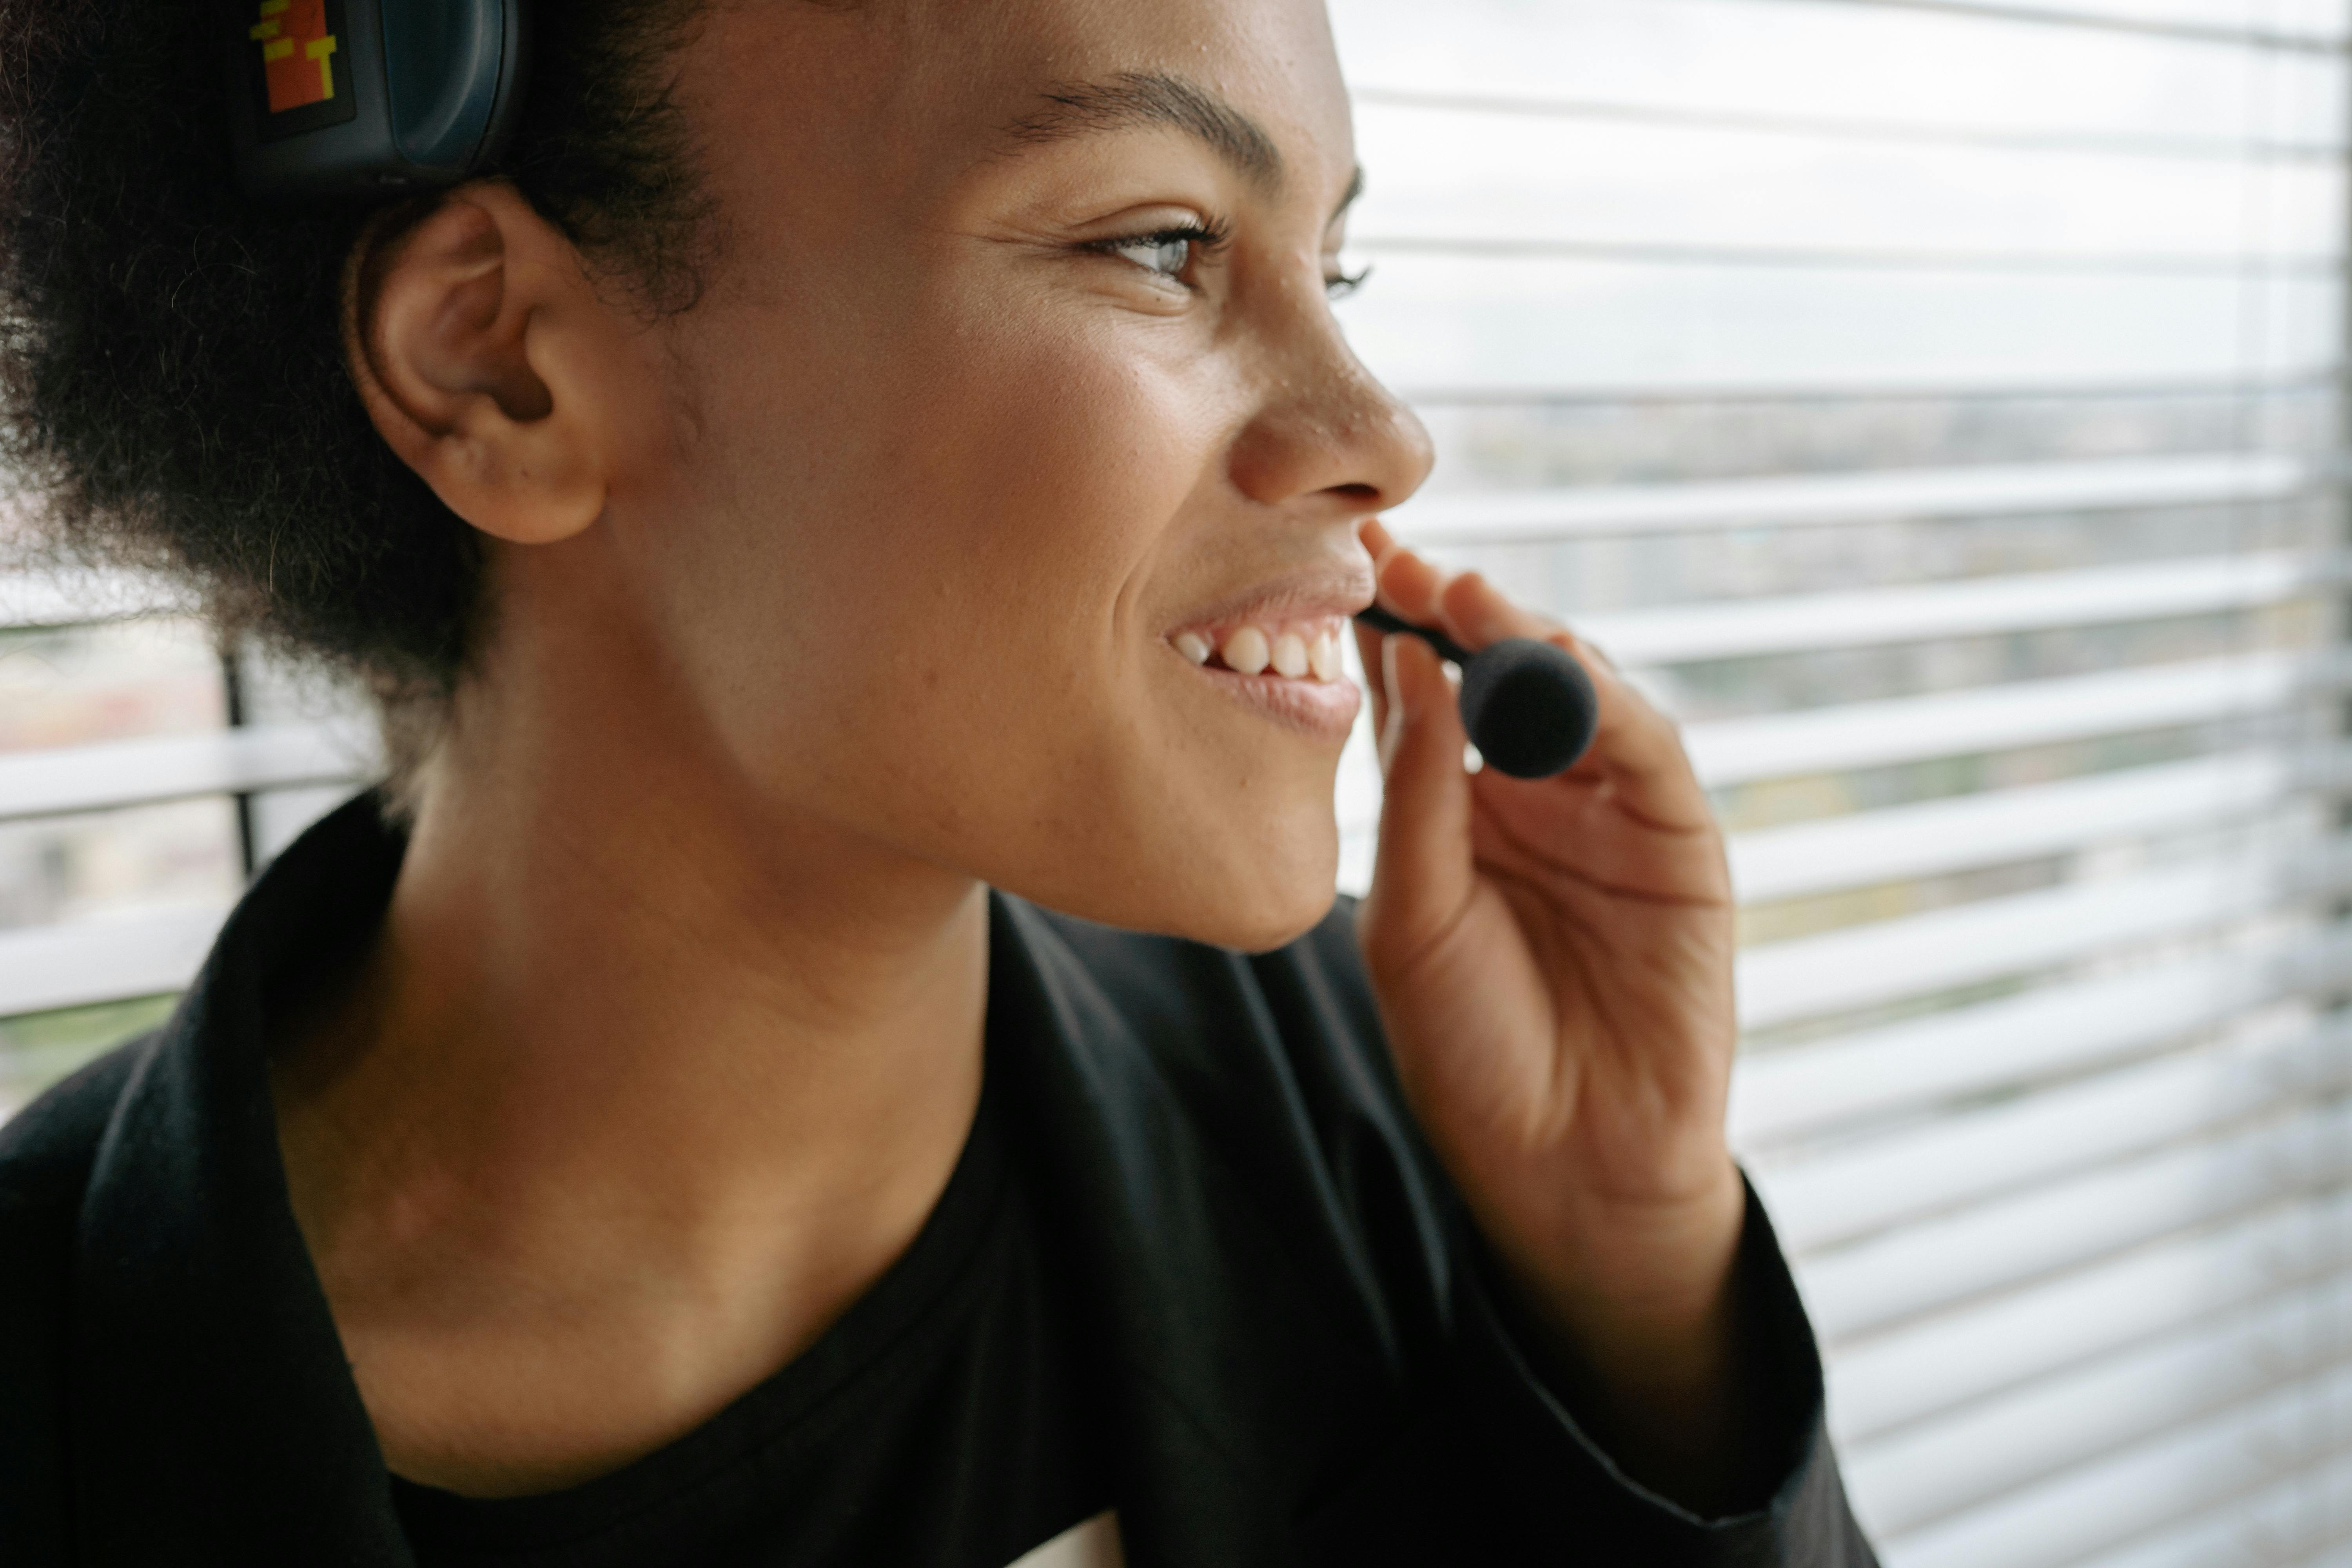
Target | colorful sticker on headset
(300,67)
(298,44)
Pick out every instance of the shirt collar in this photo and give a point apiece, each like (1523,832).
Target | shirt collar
(211,1398)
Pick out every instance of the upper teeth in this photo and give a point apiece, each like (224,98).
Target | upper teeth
(1293,651)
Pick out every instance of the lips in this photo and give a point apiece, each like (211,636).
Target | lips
(1275,646)
(1287,670)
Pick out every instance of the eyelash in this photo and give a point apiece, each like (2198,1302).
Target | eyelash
(1207,240)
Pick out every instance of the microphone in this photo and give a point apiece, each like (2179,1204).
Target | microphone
(1528,707)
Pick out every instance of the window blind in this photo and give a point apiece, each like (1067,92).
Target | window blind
(1935,406)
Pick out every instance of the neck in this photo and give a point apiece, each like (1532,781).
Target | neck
(624,1029)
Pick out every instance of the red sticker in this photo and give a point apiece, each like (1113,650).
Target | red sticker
(298,53)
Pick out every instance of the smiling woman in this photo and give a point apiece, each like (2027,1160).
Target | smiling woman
(838,1046)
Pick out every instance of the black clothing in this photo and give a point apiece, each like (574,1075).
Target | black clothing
(1292,1353)
(942,1420)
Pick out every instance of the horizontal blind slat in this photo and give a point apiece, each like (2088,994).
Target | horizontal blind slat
(2093,143)
(1745,628)
(1936,837)
(1497,321)
(1854,735)
(30,600)
(1940,1263)
(1822,1198)
(1814,499)
(2169,1477)
(2233,34)
(109,959)
(1872,964)
(115,773)
(2300,1519)
(1894,1379)
(2089,1411)
(1786,1093)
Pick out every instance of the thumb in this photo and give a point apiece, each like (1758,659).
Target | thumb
(1421,874)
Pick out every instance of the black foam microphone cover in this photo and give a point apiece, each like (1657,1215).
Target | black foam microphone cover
(1528,707)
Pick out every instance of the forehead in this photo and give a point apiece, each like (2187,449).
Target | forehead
(1134,98)
(1272,60)
(912,88)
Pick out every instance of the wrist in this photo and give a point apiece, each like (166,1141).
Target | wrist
(1634,1319)
(1640,1288)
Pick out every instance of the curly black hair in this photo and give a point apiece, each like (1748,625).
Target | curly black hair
(173,390)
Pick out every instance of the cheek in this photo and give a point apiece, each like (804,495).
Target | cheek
(972,556)
(1081,762)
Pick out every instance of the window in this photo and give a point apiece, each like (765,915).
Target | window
(1936,405)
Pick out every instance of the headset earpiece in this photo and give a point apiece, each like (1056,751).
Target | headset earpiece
(359,98)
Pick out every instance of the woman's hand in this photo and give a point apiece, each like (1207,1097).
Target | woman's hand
(1552,959)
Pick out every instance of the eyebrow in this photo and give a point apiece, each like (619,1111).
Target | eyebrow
(1347,197)
(1140,98)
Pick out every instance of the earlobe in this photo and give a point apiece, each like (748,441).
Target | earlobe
(490,363)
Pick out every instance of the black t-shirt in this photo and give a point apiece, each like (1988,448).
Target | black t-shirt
(1195,1262)
(942,1422)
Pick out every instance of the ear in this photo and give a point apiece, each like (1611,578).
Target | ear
(492,365)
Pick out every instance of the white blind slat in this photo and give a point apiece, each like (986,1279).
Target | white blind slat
(2298,1521)
(1863,849)
(2169,1477)
(130,772)
(1849,1191)
(2063,1223)
(1886,960)
(107,960)
(1985,607)
(1891,1380)
(74,598)
(1441,516)
(1999,718)
(2085,1414)
(1907,1067)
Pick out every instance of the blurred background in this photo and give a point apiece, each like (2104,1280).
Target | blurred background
(1938,405)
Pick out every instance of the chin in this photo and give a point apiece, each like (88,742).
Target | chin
(1253,904)
(1265,936)
(1204,870)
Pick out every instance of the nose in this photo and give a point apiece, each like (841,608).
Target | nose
(1325,427)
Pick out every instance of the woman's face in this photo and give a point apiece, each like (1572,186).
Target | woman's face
(1016,386)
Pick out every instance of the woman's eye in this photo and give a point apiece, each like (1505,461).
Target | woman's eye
(1165,254)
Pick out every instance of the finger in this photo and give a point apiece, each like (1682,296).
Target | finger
(1410,597)
(1639,746)
(1573,826)
(1377,541)
(1422,870)
(1411,586)
(1367,654)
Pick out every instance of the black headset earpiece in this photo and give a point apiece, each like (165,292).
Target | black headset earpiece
(359,98)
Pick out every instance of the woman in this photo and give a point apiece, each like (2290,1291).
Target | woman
(850,481)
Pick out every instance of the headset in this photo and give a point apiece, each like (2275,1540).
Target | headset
(1528,707)
(365,98)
